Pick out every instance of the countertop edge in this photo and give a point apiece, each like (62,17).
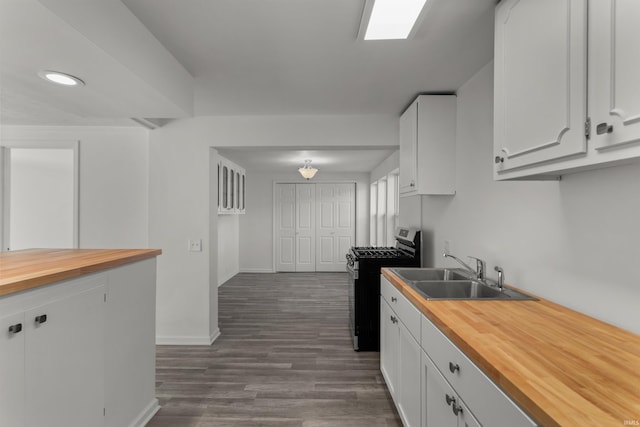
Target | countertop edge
(112,258)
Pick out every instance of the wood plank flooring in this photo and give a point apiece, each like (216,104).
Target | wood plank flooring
(284,358)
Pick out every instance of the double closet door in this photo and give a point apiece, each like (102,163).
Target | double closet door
(314,226)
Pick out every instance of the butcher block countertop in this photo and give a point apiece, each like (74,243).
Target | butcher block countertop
(563,367)
(30,268)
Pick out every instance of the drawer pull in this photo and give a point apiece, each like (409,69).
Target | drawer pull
(454,367)
(450,399)
(14,329)
(394,299)
(41,319)
(457,409)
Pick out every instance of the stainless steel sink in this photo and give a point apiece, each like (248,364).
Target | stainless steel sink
(420,274)
(465,289)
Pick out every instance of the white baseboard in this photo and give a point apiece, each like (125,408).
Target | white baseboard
(183,340)
(146,415)
(214,336)
(188,340)
(226,278)
(256,270)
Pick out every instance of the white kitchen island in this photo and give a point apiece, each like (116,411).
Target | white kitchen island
(77,337)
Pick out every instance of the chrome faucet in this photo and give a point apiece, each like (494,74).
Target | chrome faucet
(480,269)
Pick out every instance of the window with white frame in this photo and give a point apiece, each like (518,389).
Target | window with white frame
(385,195)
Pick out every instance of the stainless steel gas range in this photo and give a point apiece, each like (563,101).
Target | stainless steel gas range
(363,266)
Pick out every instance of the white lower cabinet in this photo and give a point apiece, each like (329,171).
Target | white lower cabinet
(442,406)
(400,354)
(80,352)
(52,357)
(432,382)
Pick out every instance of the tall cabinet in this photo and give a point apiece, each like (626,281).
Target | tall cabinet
(566,96)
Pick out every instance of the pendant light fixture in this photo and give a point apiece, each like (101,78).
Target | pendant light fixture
(307,171)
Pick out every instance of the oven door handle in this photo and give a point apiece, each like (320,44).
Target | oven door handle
(352,271)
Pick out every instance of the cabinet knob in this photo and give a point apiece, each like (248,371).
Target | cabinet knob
(454,367)
(14,329)
(603,128)
(498,159)
(457,409)
(394,299)
(41,319)
(394,319)
(412,184)
(449,399)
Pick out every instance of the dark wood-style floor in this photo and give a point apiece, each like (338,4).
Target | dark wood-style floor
(284,358)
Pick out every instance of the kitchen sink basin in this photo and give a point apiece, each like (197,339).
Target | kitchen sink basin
(420,274)
(465,289)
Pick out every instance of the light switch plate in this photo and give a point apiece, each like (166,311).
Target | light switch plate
(195,245)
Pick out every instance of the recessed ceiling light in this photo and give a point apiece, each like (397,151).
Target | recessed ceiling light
(393,19)
(60,78)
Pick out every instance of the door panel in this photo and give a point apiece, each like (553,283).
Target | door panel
(12,370)
(615,65)
(285,227)
(305,227)
(540,75)
(336,225)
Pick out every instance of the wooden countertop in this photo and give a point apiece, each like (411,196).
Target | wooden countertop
(30,268)
(563,367)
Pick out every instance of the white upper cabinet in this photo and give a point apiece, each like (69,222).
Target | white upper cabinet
(614,91)
(427,146)
(540,80)
(553,58)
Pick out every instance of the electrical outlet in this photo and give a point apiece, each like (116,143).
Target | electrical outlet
(447,247)
(195,245)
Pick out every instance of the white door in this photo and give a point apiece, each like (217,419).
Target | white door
(64,362)
(389,344)
(40,197)
(12,331)
(285,227)
(335,207)
(409,149)
(305,227)
(540,81)
(614,92)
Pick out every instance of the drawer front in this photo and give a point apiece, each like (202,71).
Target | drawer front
(485,399)
(403,308)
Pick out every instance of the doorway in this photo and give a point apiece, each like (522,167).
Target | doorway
(40,195)
(314,226)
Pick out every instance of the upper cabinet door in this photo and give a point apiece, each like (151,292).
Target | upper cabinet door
(540,81)
(614,91)
(409,149)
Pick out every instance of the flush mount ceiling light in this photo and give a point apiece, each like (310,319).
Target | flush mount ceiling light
(307,171)
(390,19)
(60,78)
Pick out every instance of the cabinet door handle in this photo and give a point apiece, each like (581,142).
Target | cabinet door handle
(14,329)
(449,399)
(41,319)
(603,128)
(457,409)
(454,367)
(498,159)
(394,299)
(394,319)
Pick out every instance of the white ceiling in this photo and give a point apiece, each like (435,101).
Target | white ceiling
(172,59)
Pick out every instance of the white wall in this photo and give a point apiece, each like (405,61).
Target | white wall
(574,242)
(113,195)
(388,165)
(180,201)
(256,226)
